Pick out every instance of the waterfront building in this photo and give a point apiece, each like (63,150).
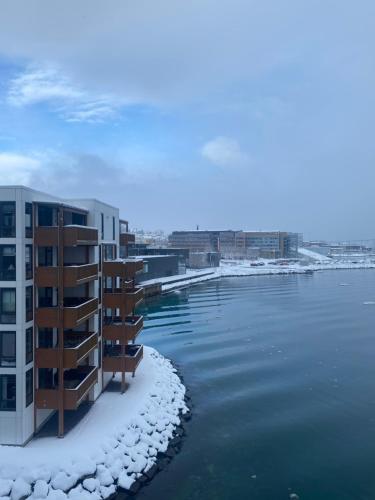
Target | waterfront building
(67,307)
(239,244)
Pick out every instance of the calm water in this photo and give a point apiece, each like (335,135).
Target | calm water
(282,376)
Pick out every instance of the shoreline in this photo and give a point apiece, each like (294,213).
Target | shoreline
(119,446)
(241,269)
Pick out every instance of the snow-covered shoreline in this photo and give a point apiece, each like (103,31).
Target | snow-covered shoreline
(242,268)
(117,441)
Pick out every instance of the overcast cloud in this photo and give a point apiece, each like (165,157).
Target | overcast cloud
(238,113)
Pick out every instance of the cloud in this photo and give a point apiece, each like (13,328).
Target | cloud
(43,84)
(17,168)
(224,152)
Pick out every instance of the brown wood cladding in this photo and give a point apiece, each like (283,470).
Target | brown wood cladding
(48,358)
(48,317)
(125,270)
(73,275)
(121,363)
(47,236)
(48,398)
(122,332)
(124,300)
(126,239)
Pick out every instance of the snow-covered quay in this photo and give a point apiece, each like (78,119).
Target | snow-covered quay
(114,445)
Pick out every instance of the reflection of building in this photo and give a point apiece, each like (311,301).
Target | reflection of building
(66,308)
(239,244)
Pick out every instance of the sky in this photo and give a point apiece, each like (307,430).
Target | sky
(225,114)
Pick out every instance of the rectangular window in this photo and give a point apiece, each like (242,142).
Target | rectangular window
(45,256)
(29,262)
(109,252)
(45,297)
(28,220)
(7,393)
(46,379)
(45,338)
(29,387)
(102,225)
(7,349)
(29,347)
(113,228)
(7,262)
(7,219)
(7,306)
(29,303)
(47,215)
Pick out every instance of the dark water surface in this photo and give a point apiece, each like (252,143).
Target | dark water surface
(282,375)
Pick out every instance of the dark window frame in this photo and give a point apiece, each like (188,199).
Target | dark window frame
(8,404)
(29,264)
(29,302)
(6,274)
(28,226)
(11,316)
(11,362)
(29,345)
(8,230)
(29,386)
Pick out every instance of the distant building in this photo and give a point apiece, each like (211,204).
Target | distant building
(239,244)
(201,260)
(158,266)
(137,249)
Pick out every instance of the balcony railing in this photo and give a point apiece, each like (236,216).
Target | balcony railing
(114,329)
(74,275)
(77,346)
(76,310)
(48,236)
(77,384)
(125,269)
(126,239)
(122,358)
(125,300)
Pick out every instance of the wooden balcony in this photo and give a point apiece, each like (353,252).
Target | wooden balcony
(126,239)
(74,275)
(124,299)
(75,311)
(125,269)
(77,346)
(77,384)
(48,236)
(114,359)
(115,330)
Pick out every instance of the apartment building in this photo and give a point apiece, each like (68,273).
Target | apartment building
(67,308)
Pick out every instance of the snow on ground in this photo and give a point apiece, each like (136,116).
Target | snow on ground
(115,442)
(315,256)
(233,268)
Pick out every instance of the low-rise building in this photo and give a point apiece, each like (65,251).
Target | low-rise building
(67,308)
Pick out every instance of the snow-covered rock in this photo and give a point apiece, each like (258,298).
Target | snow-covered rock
(117,441)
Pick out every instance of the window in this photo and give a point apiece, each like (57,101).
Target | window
(45,297)
(29,262)
(102,225)
(46,378)
(29,340)
(7,305)
(113,228)
(29,303)
(45,338)
(45,256)
(109,252)
(29,387)
(7,349)
(7,262)
(28,220)
(7,393)
(47,216)
(7,219)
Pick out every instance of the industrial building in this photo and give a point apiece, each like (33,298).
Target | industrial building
(67,308)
